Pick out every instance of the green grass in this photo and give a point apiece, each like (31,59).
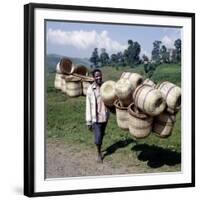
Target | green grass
(66,120)
(113,73)
(166,72)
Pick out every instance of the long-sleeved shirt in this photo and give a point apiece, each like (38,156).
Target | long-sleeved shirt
(96,110)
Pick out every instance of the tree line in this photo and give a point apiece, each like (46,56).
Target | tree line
(131,56)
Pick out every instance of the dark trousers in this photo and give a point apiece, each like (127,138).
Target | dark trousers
(99,132)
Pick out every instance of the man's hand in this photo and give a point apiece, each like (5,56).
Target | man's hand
(90,127)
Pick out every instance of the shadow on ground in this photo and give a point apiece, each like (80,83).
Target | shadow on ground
(156,156)
(119,144)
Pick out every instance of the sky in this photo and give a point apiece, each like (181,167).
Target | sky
(73,39)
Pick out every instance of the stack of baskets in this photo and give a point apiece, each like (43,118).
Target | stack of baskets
(71,79)
(142,106)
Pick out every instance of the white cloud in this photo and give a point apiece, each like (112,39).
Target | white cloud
(171,34)
(84,40)
(168,41)
(176,32)
(145,52)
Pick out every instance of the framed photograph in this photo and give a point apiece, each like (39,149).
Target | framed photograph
(108,99)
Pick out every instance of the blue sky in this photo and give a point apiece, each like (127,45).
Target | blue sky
(79,39)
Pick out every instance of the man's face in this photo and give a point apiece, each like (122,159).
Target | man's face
(98,78)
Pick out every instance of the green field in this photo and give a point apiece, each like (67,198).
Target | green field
(66,120)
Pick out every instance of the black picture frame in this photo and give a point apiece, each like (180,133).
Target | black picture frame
(29,98)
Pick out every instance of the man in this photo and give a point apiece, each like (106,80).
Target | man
(97,113)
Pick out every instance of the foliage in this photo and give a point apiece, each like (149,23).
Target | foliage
(164,54)
(149,69)
(130,57)
(160,54)
(95,57)
(145,58)
(104,57)
(177,51)
(113,59)
(131,54)
(155,54)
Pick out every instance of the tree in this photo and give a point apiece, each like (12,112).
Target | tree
(95,57)
(131,54)
(149,69)
(173,58)
(104,57)
(114,59)
(130,42)
(137,49)
(145,58)
(177,44)
(164,54)
(155,54)
(120,59)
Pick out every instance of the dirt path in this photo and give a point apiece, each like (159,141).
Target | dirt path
(64,160)
(71,160)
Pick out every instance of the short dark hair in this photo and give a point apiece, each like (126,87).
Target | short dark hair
(95,70)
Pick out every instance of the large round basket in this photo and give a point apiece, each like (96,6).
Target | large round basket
(121,115)
(149,82)
(107,92)
(58,81)
(63,82)
(73,87)
(124,91)
(66,66)
(58,68)
(172,95)
(86,82)
(163,124)
(149,100)
(134,78)
(80,70)
(140,124)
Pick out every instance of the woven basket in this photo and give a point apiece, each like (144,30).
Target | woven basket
(107,92)
(63,82)
(121,115)
(80,70)
(58,81)
(172,95)
(134,78)
(149,82)
(66,66)
(58,68)
(86,82)
(149,100)
(73,87)
(139,124)
(124,90)
(163,124)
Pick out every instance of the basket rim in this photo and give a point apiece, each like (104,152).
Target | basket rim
(72,79)
(139,115)
(63,59)
(88,79)
(117,105)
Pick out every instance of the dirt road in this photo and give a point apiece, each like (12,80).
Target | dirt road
(70,160)
(64,160)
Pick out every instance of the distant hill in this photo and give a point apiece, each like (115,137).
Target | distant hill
(53,59)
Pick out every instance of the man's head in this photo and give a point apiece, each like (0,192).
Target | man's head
(97,75)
